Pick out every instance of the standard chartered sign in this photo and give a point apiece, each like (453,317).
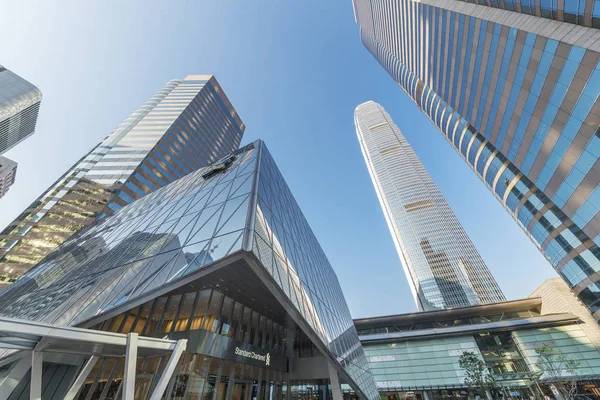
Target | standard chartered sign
(250,354)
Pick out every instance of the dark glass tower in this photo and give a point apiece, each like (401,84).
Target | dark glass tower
(514,89)
(187,125)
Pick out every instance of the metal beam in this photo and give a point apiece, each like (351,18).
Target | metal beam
(11,346)
(37,330)
(41,344)
(85,371)
(130,366)
(35,387)
(169,369)
(14,357)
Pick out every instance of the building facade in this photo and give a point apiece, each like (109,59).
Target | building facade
(8,173)
(441,263)
(187,125)
(19,107)
(557,298)
(580,12)
(224,258)
(516,95)
(417,355)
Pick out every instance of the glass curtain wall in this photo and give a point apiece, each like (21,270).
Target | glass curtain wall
(199,376)
(580,12)
(208,310)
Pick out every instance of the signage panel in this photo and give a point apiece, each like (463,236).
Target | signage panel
(215,345)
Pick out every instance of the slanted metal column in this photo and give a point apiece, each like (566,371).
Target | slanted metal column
(336,390)
(556,392)
(130,364)
(87,368)
(169,369)
(10,382)
(35,387)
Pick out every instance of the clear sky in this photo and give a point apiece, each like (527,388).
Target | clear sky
(295,71)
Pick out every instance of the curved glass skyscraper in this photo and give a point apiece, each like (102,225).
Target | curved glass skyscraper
(514,88)
(443,268)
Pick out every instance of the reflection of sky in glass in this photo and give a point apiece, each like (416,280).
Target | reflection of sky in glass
(155,240)
(441,263)
(181,228)
(286,245)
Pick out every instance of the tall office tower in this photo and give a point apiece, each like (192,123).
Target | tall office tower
(516,94)
(222,257)
(443,268)
(187,125)
(19,107)
(8,172)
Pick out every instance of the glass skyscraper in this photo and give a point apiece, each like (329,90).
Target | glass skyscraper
(19,107)
(187,125)
(222,257)
(514,89)
(443,268)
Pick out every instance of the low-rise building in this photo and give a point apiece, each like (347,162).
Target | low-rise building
(417,354)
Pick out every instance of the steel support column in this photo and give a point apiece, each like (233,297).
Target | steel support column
(35,387)
(169,369)
(130,366)
(85,371)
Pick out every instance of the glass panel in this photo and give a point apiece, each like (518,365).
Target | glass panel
(254,328)
(170,314)
(236,319)
(141,317)
(130,318)
(154,318)
(212,376)
(200,310)
(244,335)
(185,311)
(225,317)
(211,322)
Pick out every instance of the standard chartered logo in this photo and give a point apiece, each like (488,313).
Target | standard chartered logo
(250,354)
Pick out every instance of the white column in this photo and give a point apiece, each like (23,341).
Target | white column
(425,395)
(336,390)
(85,371)
(35,387)
(556,392)
(130,364)
(169,369)
(17,372)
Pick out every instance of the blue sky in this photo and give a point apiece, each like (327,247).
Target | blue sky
(294,71)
